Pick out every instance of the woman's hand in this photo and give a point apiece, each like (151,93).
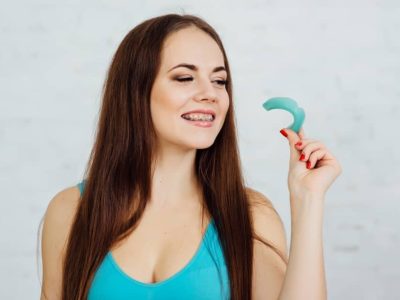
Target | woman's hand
(316,171)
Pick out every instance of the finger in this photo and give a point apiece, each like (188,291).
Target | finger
(293,138)
(301,133)
(310,148)
(291,135)
(315,157)
(302,143)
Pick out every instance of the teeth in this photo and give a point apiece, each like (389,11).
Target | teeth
(198,117)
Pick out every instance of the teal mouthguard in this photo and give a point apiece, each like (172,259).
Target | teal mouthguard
(289,105)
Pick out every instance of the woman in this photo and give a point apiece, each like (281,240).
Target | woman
(163,212)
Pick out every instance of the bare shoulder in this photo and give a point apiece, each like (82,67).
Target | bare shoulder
(63,203)
(268,267)
(67,198)
(57,223)
(256,198)
(60,212)
(266,220)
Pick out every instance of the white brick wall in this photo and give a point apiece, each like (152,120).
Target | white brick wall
(340,61)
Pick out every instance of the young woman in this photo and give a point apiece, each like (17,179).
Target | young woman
(163,211)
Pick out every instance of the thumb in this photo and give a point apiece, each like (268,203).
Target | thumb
(293,138)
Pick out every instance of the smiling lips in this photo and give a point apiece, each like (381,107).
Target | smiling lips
(200,123)
(199,115)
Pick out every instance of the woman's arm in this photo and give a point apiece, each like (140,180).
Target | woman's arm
(57,223)
(312,170)
(303,277)
(305,273)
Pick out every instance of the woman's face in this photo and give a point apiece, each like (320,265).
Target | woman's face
(179,90)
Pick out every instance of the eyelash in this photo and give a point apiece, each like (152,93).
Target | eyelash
(220,82)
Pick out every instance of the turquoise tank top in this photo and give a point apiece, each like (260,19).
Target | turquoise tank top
(199,279)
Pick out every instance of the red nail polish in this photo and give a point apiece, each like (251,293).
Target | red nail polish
(298,144)
(283,132)
(308,165)
(302,156)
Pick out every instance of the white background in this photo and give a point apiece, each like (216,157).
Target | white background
(340,60)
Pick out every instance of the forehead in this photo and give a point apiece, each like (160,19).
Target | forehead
(191,45)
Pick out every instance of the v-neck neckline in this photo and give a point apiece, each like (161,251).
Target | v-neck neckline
(172,277)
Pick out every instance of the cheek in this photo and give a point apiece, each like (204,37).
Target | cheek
(168,100)
(225,105)
(160,113)
(164,101)
(165,111)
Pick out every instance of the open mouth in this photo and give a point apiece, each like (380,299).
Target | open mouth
(198,117)
(205,121)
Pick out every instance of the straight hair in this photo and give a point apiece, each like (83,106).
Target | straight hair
(120,167)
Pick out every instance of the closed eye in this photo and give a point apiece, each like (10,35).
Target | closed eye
(184,79)
(220,82)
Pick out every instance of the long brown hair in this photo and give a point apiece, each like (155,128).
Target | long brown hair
(118,173)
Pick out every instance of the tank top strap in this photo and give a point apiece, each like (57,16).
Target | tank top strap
(81,186)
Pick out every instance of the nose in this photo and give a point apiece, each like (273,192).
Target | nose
(206,91)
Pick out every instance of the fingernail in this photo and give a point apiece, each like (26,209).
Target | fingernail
(298,144)
(302,156)
(283,132)
(308,165)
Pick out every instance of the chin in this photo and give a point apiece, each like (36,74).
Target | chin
(201,144)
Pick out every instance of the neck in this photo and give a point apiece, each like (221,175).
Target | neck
(174,182)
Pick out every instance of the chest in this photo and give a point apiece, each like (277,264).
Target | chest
(161,245)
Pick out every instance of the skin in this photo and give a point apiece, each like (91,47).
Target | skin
(156,250)
(310,176)
(174,188)
(174,182)
(308,179)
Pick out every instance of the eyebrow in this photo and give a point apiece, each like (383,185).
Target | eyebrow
(194,68)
